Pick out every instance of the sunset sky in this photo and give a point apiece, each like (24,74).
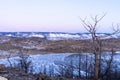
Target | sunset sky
(56,15)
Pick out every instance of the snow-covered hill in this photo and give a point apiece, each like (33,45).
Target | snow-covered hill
(55,35)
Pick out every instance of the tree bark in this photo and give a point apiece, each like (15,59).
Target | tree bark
(96,66)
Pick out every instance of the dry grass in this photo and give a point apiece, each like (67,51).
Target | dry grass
(61,46)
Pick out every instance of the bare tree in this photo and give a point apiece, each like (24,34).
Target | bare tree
(96,40)
(79,65)
(8,58)
(51,70)
(91,28)
(24,62)
(108,62)
(86,65)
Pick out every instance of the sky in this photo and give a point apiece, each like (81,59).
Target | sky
(56,15)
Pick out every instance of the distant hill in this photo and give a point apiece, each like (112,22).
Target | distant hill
(56,35)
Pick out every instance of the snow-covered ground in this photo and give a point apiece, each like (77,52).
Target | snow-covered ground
(39,61)
(43,62)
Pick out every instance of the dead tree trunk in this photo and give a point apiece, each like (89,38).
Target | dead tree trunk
(96,43)
(92,28)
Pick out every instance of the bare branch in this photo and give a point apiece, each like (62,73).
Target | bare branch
(89,26)
(116,29)
(86,26)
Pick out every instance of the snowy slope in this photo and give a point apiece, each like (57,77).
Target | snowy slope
(39,62)
(46,61)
